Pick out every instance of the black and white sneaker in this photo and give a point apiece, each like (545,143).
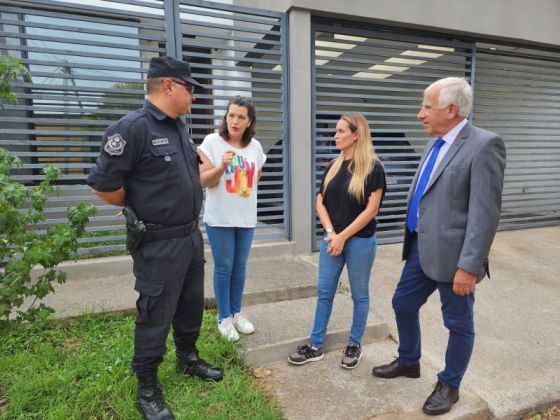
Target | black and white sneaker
(352,356)
(305,354)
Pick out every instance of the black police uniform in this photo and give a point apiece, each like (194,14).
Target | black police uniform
(151,155)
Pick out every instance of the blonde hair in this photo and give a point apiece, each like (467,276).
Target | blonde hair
(364,157)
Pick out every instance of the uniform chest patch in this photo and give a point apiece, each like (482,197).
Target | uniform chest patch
(115,145)
(158,142)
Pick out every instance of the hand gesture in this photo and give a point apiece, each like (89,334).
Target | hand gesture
(335,244)
(227,157)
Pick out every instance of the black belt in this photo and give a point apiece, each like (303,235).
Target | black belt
(156,231)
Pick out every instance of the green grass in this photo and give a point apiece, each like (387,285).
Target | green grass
(82,371)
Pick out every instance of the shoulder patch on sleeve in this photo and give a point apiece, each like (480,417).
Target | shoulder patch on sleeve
(115,145)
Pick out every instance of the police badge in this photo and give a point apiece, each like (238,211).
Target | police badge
(115,145)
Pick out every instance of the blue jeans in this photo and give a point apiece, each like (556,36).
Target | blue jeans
(412,292)
(358,255)
(230,250)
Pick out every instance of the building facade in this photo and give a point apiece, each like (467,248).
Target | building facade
(304,63)
(377,56)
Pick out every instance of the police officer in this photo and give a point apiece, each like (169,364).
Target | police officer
(149,164)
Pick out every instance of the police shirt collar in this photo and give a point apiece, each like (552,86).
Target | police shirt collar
(154,110)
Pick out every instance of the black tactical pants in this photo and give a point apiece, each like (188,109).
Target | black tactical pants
(170,279)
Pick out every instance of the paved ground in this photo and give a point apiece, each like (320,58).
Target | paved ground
(515,366)
(516,362)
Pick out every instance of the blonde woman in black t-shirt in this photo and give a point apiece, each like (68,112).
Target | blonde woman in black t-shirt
(350,197)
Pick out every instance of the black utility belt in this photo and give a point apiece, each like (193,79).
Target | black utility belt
(156,232)
(139,233)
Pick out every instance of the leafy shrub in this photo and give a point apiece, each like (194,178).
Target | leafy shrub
(23,245)
(11,70)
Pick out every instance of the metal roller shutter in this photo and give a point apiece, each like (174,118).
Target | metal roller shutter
(381,74)
(517,94)
(88,64)
(241,51)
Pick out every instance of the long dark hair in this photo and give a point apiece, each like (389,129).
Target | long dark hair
(249,132)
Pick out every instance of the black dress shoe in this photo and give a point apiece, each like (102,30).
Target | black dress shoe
(150,398)
(396,369)
(441,400)
(193,365)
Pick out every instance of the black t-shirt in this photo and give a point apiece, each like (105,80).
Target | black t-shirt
(342,207)
(151,155)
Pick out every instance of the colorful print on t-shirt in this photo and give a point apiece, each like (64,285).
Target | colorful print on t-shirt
(239,176)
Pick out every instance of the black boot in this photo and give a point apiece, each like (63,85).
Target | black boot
(150,398)
(191,364)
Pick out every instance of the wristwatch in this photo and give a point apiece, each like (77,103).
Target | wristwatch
(329,230)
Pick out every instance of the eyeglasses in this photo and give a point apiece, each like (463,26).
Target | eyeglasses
(190,88)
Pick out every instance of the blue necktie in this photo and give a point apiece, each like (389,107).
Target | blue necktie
(412,216)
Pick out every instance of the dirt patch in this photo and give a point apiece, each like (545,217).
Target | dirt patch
(262,376)
(552,413)
(3,402)
(71,344)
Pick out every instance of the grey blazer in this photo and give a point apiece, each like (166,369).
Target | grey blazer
(460,208)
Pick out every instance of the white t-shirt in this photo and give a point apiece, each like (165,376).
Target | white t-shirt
(233,201)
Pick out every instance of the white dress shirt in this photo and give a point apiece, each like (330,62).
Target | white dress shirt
(448,139)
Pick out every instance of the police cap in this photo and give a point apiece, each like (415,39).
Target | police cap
(171,67)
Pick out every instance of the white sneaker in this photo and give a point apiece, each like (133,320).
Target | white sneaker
(243,325)
(227,330)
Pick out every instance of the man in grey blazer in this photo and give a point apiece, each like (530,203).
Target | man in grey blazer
(453,212)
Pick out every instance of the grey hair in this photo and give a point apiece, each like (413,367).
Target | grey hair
(454,90)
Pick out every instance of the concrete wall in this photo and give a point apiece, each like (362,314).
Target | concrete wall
(513,20)
(300,129)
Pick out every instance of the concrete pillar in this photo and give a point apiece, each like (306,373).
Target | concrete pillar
(299,27)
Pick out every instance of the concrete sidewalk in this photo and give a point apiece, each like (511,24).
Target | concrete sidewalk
(515,366)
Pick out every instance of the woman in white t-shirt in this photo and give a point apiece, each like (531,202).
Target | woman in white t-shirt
(231,166)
